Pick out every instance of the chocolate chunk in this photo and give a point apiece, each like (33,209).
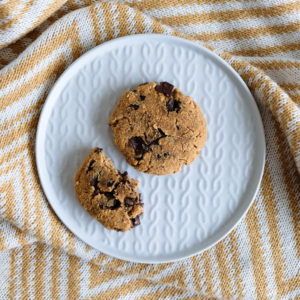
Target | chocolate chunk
(133,91)
(110,183)
(162,135)
(117,229)
(142,97)
(101,206)
(98,150)
(165,87)
(178,127)
(135,221)
(109,195)
(158,156)
(124,177)
(113,204)
(173,105)
(138,145)
(129,201)
(134,106)
(143,83)
(96,192)
(166,154)
(94,182)
(90,166)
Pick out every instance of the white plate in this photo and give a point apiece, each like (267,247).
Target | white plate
(187,212)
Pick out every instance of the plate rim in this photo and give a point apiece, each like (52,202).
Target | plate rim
(51,100)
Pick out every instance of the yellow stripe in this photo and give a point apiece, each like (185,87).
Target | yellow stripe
(56,261)
(95,23)
(123,20)
(3,239)
(10,205)
(237,265)
(13,274)
(147,5)
(247,33)
(231,15)
(257,253)
(290,86)
(73,277)
(275,64)
(208,275)
(291,180)
(196,272)
(25,272)
(40,271)
(222,260)
(25,196)
(139,25)
(268,50)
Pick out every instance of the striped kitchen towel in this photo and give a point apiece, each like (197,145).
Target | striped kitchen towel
(40,258)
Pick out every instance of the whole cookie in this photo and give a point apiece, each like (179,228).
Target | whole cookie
(157,128)
(107,194)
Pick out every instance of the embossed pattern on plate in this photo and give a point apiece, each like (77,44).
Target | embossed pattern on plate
(187,212)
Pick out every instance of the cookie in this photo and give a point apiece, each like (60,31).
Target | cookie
(157,128)
(107,194)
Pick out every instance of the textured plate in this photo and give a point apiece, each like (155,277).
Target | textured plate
(187,212)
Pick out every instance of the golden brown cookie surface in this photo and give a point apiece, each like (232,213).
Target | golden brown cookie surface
(157,128)
(107,194)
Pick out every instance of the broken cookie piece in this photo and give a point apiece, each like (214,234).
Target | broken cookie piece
(107,194)
(158,128)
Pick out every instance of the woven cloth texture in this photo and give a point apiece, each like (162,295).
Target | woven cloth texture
(41,259)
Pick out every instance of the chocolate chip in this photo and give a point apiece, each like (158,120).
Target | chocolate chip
(117,229)
(98,150)
(94,182)
(144,83)
(165,87)
(134,106)
(162,135)
(133,91)
(178,127)
(135,221)
(90,166)
(123,179)
(161,132)
(101,206)
(113,204)
(138,145)
(110,183)
(129,201)
(109,195)
(158,156)
(96,192)
(142,97)
(173,105)
(166,154)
